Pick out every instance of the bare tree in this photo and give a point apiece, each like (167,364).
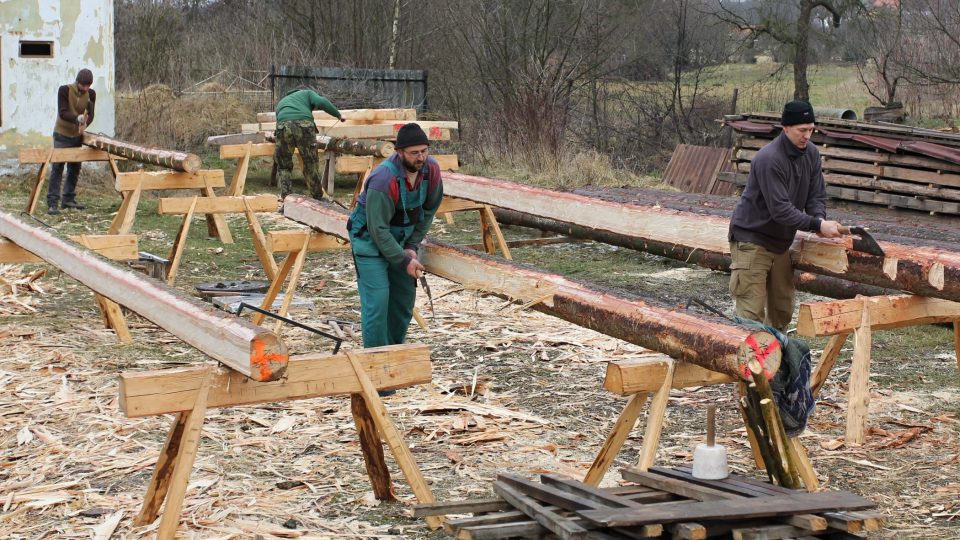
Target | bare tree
(789,22)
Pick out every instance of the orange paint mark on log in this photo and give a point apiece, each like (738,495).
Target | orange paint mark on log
(263,361)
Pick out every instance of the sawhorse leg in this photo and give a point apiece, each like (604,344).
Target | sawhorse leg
(858,399)
(292,266)
(172,471)
(123,221)
(491,233)
(38,185)
(618,435)
(260,242)
(110,311)
(394,440)
(827,360)
(176,252)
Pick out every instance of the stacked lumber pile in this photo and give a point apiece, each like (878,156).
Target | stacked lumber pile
(360,124)
(893,165)
(664,503)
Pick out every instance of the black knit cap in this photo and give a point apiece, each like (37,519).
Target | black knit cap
(797,112)
(85,77)
(411,135)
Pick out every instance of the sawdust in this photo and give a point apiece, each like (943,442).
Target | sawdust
(513,390)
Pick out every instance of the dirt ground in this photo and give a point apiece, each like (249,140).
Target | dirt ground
(513,390)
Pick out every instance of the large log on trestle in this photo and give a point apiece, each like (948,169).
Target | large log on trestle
(355,147)
(711,343)
(237,343)
(923,270)
(178,161)
(805,281)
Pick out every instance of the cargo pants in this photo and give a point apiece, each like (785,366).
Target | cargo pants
(761,283)
(298,135)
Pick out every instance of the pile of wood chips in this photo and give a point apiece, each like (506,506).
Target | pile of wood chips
(17,288)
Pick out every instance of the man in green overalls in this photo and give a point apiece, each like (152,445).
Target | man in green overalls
(392,216)
(296,129)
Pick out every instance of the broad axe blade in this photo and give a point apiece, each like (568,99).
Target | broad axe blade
(866,243)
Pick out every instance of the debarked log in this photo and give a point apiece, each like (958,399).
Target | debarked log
(923,270)
(708,342)
(355,147)
(171,159)
(828,286)
(237,343)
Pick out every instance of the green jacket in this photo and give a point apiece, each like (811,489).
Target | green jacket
(300,104)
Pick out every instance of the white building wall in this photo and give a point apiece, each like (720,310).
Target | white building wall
(82,36)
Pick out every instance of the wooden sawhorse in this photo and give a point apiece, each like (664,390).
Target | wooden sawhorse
(861,316)
(132,184)
(115,247)
(45,156)
(189,392)
(187,207)
(656,374)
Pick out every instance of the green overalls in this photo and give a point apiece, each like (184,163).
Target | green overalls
(387,292)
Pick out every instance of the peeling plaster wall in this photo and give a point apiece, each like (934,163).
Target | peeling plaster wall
(82,36)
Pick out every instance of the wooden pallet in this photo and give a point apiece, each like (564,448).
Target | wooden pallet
(664,503)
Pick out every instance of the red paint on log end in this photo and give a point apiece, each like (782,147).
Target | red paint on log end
(268,358)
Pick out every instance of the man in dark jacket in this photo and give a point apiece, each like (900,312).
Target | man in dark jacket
(296,130)
(785,193)
(75,106)
(392,216)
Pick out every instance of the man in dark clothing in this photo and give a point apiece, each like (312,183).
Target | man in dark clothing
(392,216)
(75,106)
(785,193)
(296,129)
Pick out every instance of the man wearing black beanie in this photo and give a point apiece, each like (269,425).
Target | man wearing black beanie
(785,193)
(75,106)
(392,216)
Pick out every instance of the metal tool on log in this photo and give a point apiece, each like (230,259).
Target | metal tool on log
(865,243)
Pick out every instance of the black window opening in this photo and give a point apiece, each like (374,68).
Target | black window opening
(36,49)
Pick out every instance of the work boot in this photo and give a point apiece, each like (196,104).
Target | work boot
(53,210)
(72,204)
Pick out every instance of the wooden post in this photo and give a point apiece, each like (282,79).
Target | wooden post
(292,285)
(372,449)
(38,185)
(172,472)
(394,441)
(858,400)
(176,252)
(260,242)
(616,438)
(123,221)
(658,409)
(827,360)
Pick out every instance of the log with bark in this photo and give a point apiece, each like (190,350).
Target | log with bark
(355,147)
(713,343)
(178,161)
(924,270)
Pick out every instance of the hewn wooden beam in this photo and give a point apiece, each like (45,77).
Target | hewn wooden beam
(292,240)
(358,116)
(178,161)
(704,341)
(646,374)
(62,155)
(149,393)
(245,347)
(170,180)
(217,205)
(844,316)
(926,271)
(118,247)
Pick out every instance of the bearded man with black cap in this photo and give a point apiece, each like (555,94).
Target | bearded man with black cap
(75,106)
(392,216)
(785,193)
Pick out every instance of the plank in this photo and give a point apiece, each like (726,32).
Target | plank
(563,527)
(62,155)
(891,171)
(155,180)
(291,240)
(218,205)
(475,506)
(625,377)
(779,505)
(866,182)
(235,151)
(835,317)
(121,247)
(149,393)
